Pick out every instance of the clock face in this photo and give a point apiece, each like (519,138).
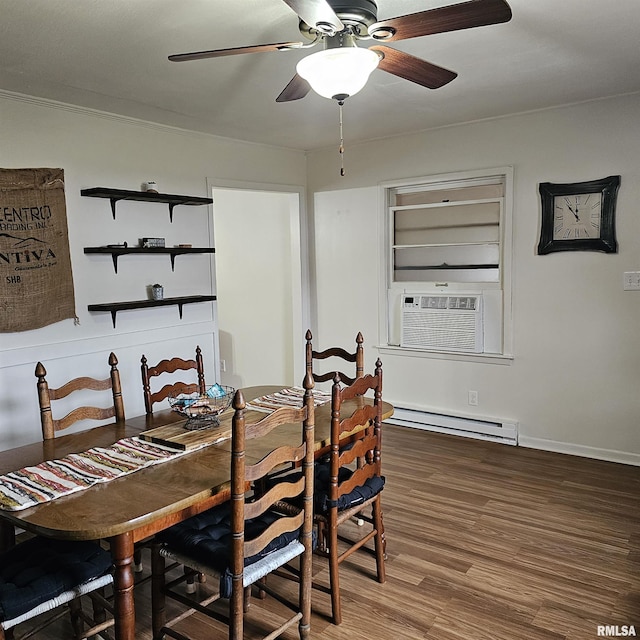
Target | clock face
(577,216)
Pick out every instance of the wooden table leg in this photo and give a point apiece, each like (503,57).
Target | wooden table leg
(158,615)
(7,535)
(125,616)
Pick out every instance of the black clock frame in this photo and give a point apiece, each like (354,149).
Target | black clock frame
(608,188)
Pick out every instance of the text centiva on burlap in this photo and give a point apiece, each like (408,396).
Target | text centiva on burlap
(36,282)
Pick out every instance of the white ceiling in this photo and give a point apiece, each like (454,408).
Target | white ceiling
(111,55)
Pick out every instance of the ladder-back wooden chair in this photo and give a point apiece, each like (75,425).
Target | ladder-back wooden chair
(336,356)
(50,425)
(40,575)
(170,366)
(349,485)
(253,535)
(163,371)
(357,357)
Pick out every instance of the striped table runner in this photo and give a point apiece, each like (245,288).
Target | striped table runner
(52,479)
(55,478)
(292,397)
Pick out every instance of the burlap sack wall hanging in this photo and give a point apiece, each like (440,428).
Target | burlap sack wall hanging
(36,282)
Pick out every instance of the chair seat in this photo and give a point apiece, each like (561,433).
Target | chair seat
(252,573)
(40,570)
(371,488)
(203,542)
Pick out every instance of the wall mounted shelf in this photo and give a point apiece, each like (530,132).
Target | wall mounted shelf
(114,307)
(116,252)
(115,195)
(447,267)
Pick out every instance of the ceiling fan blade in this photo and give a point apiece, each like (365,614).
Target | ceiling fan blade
(218,53)
(474,13)
(297,88)
(414,69)
(318,14)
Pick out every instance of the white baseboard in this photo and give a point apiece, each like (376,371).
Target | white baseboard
(610,455)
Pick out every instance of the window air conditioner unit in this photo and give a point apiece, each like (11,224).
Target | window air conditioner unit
(442,322)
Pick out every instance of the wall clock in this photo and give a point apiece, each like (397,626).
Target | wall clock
(579,216)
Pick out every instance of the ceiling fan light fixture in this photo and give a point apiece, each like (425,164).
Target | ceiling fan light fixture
(382,33)
(338,72)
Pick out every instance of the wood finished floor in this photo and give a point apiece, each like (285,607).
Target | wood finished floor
(485,542)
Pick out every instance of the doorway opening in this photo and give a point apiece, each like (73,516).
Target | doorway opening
(261,275)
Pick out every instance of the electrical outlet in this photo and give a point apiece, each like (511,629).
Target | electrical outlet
(631,281)
(223,365)
(473,398)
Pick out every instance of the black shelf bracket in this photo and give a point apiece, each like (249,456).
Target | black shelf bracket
(113,202)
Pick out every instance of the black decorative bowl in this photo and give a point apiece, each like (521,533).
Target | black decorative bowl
(202,410)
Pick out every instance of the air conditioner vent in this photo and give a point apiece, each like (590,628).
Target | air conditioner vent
(447,323)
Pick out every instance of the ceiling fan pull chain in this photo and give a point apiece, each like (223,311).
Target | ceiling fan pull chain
(341,147)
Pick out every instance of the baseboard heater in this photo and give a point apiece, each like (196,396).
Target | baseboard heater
(494,429)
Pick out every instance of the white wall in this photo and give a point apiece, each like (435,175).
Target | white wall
(574,382)
(101,150)
(346,237)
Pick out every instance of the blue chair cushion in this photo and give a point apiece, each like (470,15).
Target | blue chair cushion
(322,476)
(371,488)
(206,538)
(40,569)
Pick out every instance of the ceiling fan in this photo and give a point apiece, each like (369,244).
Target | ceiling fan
(342,67)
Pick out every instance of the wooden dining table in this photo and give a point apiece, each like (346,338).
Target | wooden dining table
(133,507)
